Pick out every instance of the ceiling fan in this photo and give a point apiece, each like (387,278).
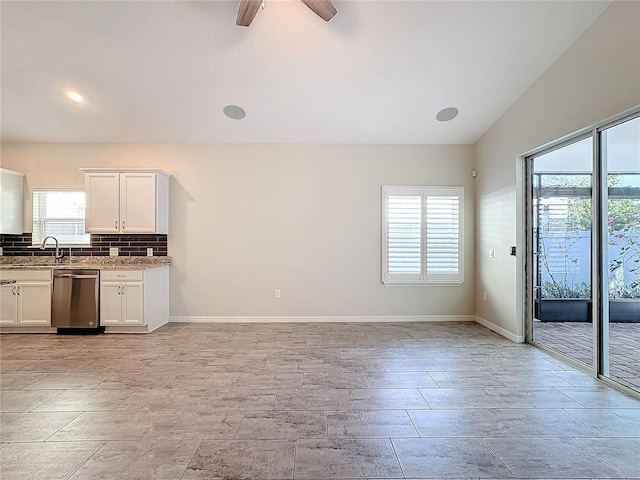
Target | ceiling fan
(248,9)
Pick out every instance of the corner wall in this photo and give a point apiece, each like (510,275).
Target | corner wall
(597,77)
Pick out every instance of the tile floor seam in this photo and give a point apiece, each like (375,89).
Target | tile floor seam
(63,426)
(498,457)
(599,435)
(393,447)
(424,398)
(413,424)
(600,458)
(191,459)
(434,381)
(85,462)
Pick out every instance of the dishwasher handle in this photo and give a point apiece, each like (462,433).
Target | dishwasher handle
(74,275)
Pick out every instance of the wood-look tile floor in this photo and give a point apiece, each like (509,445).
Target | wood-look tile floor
(306,401)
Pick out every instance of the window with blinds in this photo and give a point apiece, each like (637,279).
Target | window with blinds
(59,213)
(422,235)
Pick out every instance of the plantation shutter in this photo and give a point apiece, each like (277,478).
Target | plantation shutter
(442,222)
(422,235)
(404,234)
(59,213)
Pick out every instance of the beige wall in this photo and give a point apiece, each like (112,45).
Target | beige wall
(247,219)
(597,77)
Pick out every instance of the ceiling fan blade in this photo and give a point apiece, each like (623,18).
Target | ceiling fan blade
(323,8)
(247,12)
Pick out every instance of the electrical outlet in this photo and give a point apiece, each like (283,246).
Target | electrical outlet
(150,252)
(1,252)
(113,251)
(276,293)
(512,251)
(492,253)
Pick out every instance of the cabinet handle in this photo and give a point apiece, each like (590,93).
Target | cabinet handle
(123,290)
(13,290)
(123,225)
(18,288)
(115,224)
(119,287)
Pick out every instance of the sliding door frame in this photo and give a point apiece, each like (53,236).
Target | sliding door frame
(599,242)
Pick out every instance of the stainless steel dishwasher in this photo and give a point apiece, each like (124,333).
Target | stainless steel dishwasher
(75,303)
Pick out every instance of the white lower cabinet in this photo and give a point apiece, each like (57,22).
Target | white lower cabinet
(121,297)
(121,303)
(8,305)
(131,298)
(26,303)
(135,301)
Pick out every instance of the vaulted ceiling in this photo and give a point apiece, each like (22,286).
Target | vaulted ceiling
(378,72)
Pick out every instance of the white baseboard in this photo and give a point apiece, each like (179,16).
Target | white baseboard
(499,330)
(28,330)
(127,329)
(328,319)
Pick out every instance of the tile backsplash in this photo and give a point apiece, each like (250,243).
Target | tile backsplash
(128,246)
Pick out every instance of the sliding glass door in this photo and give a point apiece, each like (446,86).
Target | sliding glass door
(620,159)
(583,254)
(562,181)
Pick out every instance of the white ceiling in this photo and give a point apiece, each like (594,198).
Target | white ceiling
(162,71)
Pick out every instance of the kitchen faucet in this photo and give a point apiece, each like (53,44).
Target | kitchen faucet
(59,253)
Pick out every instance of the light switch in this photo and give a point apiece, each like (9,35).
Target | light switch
(492,253)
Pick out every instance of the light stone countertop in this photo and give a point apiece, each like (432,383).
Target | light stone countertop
(102,263)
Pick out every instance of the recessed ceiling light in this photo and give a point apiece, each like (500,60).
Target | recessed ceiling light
(234,112)
(74,96)
(447,114)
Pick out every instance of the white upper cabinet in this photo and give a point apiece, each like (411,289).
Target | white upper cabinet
(126,201)
(102,211)
(11,202)
(137,214)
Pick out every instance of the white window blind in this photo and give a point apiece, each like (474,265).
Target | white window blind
(422,235)
(59,213)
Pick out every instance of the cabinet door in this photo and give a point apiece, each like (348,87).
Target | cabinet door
(138,207)
(8,305)
(110,303)
(11,202)
(132,303)
(34,303)
(103,202)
